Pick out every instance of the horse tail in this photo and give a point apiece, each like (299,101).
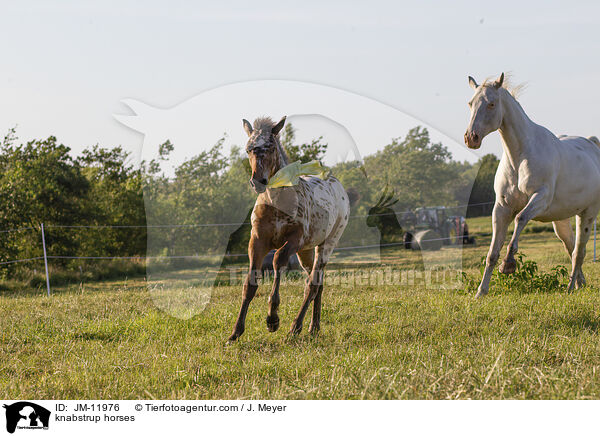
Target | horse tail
(353,196)
(595,140)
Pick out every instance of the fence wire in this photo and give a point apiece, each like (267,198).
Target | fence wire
(118,226)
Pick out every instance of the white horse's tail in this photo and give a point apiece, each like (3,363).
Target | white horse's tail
(595,140)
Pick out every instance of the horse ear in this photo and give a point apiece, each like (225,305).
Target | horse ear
(247,127)
(473,83)
(383,195)
(277,127)
(498,83)
(389,199)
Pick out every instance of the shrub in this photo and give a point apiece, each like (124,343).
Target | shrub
(526,279)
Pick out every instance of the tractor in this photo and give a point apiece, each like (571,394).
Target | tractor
(433,227)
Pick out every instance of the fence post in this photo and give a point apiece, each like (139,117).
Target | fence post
(45,260)
(594,239)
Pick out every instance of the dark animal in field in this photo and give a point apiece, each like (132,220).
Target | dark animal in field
(238,242)
(384,218)
(267,266)
(308,219)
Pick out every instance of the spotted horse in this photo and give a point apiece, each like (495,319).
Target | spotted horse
(307,218)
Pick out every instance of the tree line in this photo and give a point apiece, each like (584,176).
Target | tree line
(74,196)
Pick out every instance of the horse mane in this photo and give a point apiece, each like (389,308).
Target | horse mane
(266,124)
(514,89)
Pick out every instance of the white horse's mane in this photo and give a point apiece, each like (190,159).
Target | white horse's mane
(514,89)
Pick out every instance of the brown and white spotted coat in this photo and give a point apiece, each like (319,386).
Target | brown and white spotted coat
(307,219)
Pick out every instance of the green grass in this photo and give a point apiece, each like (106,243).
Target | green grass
(108,340)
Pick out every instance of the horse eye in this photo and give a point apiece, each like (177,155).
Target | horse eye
(491,105)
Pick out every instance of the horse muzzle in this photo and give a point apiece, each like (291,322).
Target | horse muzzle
(259,186)
(472,140)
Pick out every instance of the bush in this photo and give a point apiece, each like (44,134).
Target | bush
(76,271)
(538,228)
(526,279)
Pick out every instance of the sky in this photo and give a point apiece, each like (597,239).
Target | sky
(67,66)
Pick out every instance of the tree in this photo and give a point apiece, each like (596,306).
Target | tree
(114,198)
(418,170)
(315,150)
(40,183)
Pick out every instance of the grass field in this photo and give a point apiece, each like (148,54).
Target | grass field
(108,341)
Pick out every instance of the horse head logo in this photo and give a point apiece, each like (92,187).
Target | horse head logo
(26,415)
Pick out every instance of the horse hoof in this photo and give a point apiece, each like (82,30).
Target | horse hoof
(234,336)
(508,266)
(272,323)
(295,330)
(580,282)
(314,330)
(481,293)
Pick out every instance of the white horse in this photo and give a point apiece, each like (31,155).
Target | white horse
(540,177)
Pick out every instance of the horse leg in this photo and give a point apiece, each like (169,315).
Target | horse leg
(564,231)
(280,261)
(584,222)
(257,250)
(315,323)
(314,282)
(328,247)
(501,217)
(536,204)
(307,260)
